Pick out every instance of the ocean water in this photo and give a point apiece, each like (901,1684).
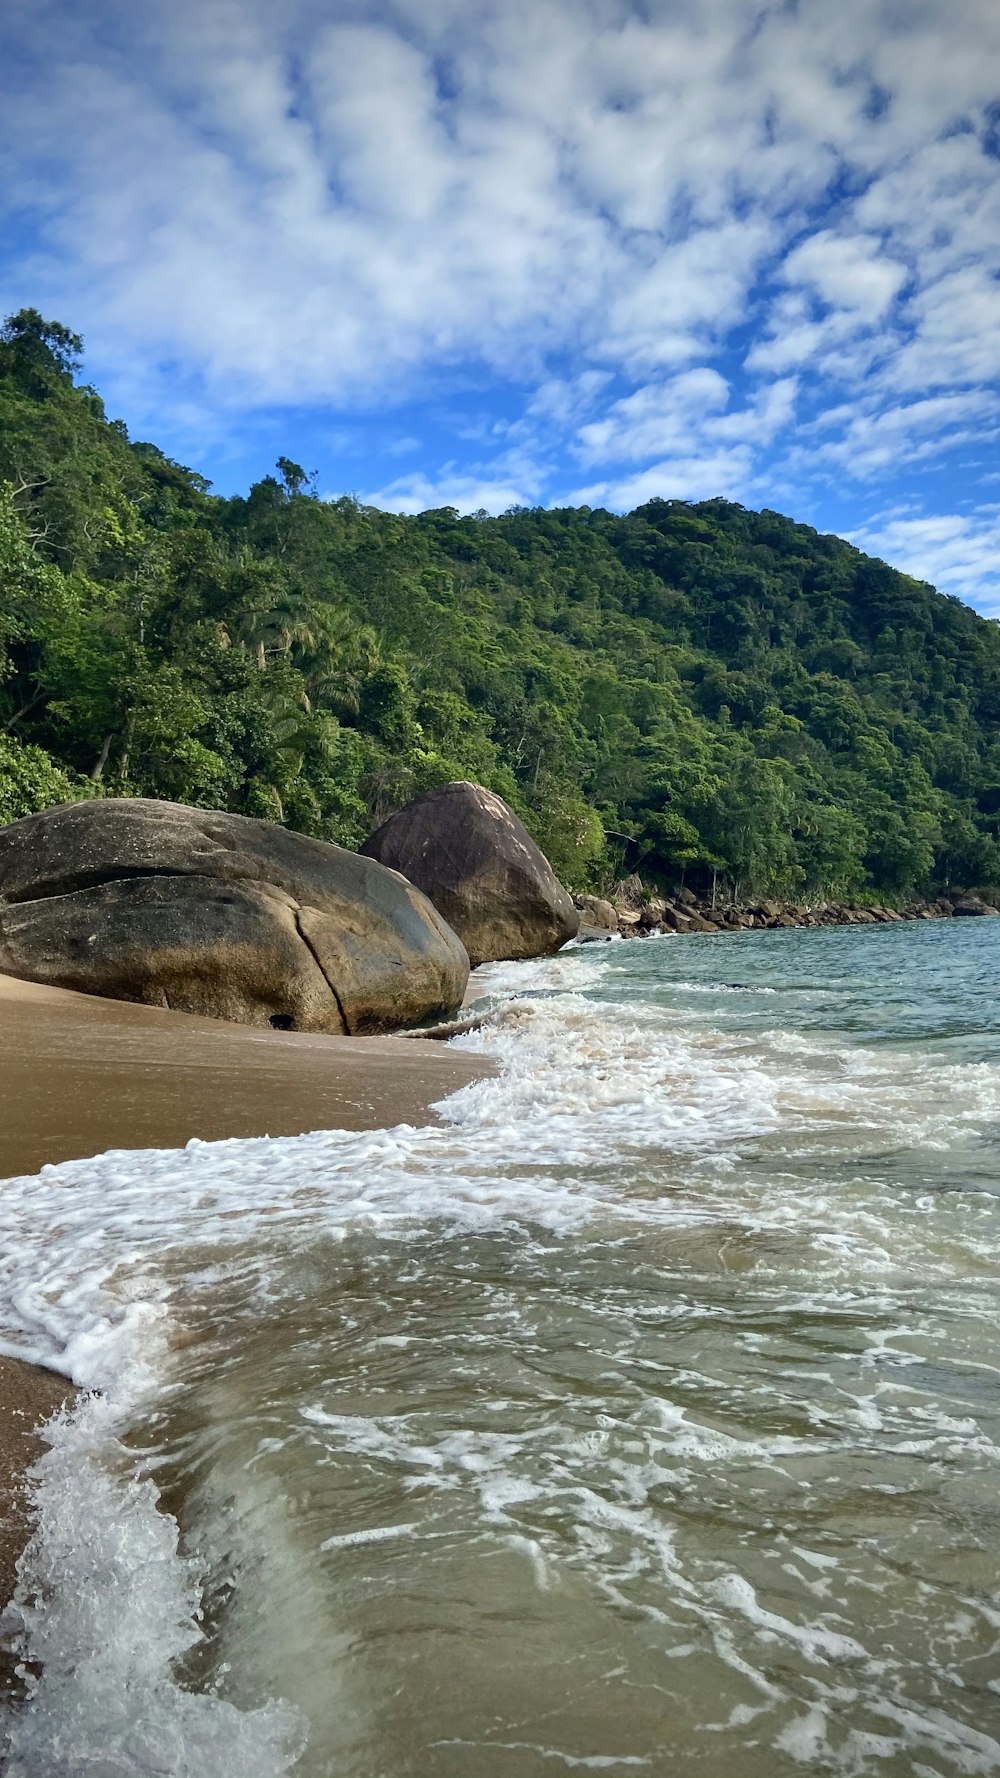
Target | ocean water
(642,1417)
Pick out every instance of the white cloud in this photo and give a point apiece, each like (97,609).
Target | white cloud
(306,203)
(657,418)
(834,314)
(956,338)
(958,553)
(692,293)
(688,410)
(685,234)
(848,272)
(868,444)
(767,413)
(696,477)
(468,493)
(564,400)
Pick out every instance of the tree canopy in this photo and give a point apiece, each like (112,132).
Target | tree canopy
(687,689)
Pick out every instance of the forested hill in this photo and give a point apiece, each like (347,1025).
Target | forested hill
(682,690)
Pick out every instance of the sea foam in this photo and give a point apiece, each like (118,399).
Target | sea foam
(604,1117)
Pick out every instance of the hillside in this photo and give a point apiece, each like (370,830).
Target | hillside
(685,690)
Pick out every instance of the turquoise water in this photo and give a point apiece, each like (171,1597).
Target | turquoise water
(643,1417)
(930,983)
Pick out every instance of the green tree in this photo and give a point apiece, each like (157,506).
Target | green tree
(705,691)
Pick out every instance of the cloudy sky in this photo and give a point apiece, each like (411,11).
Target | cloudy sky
(479,252)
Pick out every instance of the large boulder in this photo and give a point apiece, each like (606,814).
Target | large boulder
(974,905)
(468,851)
(216,914)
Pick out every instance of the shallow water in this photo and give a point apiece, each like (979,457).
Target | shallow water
(643,1417)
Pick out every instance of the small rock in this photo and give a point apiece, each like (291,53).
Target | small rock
(595,912)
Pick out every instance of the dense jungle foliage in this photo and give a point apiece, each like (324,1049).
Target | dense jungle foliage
(687,690)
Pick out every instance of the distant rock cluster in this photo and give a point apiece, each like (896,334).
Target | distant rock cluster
(635,913)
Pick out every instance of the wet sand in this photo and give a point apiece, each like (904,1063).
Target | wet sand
(27,1397)
(79,1075)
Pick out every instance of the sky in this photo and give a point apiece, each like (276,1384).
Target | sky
(534,252)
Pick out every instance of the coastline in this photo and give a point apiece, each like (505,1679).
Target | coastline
(28,1396)
(435,1312)
(636,912)
(80,1075)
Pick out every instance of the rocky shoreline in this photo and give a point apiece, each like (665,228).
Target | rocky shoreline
(636,913)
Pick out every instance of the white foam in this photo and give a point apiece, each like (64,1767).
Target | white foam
(350,1540)
(106,1606)
(815,1641)
(590,1096)
(603,1117)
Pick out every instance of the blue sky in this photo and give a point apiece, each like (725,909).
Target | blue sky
(534,251)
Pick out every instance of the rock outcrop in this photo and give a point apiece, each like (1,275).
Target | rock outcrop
(640,913)
(217,914)
(480,867)
(596,914)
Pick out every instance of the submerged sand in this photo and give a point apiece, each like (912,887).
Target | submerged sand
(79,1075)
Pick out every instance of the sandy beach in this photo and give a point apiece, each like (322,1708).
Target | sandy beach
(79,1075)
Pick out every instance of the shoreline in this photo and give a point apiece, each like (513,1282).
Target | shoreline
(80,1075)
(29,1396)
(637,911)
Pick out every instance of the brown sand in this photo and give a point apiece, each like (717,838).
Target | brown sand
(79,1075)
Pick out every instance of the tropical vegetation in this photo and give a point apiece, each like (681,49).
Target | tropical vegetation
(696,691)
